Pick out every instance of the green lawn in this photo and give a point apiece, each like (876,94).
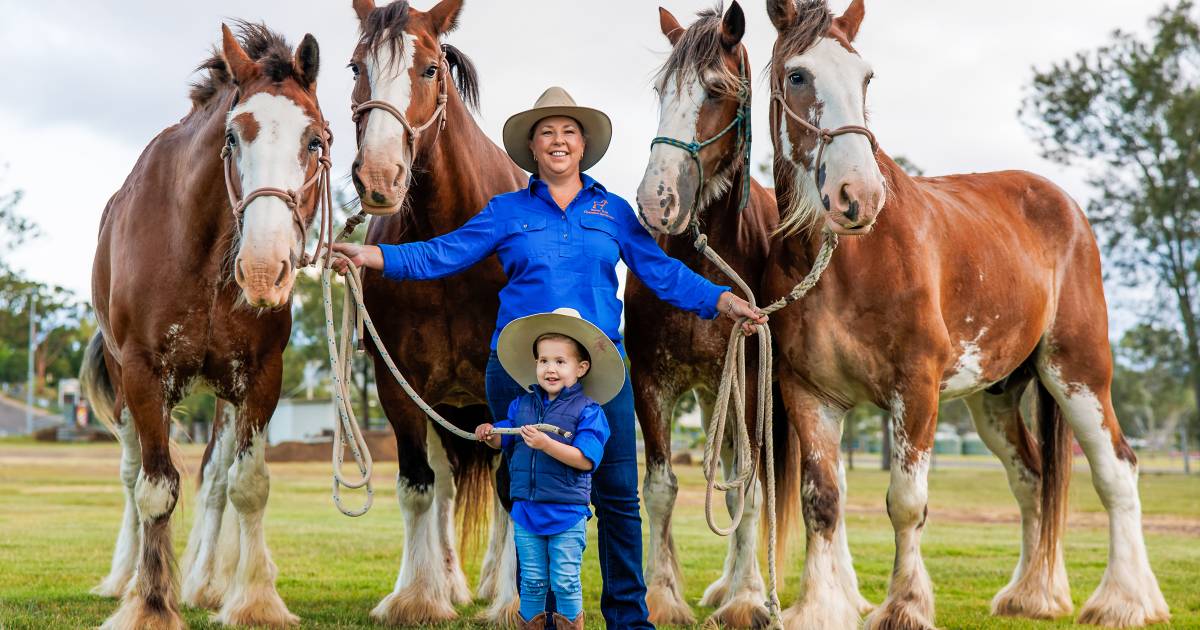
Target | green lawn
(60,506)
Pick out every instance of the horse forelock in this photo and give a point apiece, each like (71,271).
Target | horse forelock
(813,21)
(384,27)
(700,54)
(268,48)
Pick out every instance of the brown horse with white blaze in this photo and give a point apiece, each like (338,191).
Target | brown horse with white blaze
(426,167)
(963,286)
(703,88)
(190,287)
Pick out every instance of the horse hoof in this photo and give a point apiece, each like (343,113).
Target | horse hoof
(135,614)
(256,606)
(411,607)
(744,610)
(667,607)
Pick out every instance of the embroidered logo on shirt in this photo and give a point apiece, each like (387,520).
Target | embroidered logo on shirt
(598,208)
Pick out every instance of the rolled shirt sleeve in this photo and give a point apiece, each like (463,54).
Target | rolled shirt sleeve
(671,280)
(445,255)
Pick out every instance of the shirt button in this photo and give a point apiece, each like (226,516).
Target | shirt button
(564,236)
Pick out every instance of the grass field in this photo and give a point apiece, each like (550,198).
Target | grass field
(60,506)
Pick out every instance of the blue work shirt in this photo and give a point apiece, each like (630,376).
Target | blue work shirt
(548,519)
(555,258)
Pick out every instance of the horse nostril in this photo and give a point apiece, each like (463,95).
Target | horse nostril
(852,212)
(238,273)
(358,183)
(282,273)
(378,198)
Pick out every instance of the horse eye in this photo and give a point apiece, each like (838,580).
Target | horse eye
(430,72)
(230,139)
(353,68)
(314,145)
(796,78)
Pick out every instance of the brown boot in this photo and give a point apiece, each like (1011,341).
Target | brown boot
(562,623)
(537,623)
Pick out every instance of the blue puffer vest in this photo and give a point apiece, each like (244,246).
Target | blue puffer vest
(535,475)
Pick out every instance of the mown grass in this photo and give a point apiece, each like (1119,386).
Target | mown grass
(60,506)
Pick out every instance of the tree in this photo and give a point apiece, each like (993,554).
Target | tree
(1129,114)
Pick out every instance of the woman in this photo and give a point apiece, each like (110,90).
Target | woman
(559,240)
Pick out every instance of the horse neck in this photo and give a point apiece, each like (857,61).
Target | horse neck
(723,216)
(458,175)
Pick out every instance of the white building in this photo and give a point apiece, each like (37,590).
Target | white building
(298,420)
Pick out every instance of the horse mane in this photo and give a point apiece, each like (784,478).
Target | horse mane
(261,44)
(698,50)
(813,20)
(385,27)
(466,79)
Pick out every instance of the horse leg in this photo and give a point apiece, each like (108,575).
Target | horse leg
(151,601)
(252,599)
(421,594)
(664,580)
(444,493)
(740,589)
(909,603)
(505,609)
(124,558)
(829,595)
(1038,588)
(1075,365)
(202,586)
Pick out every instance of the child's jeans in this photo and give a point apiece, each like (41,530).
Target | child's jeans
(551,562)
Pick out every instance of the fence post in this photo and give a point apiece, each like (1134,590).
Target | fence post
(1186,448)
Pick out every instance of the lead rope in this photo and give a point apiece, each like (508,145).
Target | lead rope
(354,315)
(733,378)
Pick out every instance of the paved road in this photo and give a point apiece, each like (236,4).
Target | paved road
(12,417)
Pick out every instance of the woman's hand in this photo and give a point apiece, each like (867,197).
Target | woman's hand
(534,438)
(736,308)
(368,256)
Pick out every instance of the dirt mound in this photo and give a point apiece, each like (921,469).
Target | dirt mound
(381,443)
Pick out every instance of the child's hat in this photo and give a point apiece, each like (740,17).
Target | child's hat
(515,350)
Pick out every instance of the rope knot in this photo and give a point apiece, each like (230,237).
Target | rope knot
(701,243)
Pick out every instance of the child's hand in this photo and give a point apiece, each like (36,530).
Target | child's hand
(535,438)
(484,434)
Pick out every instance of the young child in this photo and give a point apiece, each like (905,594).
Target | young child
(551,475)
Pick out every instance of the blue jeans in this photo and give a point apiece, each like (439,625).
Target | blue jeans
(615,498)
(551,563)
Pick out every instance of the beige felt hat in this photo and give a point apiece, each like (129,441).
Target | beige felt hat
(514,348)
(597,128)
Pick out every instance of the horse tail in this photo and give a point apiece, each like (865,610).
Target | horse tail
(96,383)
(1054,435)
(787,475)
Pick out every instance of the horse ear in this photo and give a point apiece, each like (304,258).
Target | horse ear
(240,65)
(445,15)
(307,59)
(733,27)
(363,9)
(849,22)
(669,25)
(782,14)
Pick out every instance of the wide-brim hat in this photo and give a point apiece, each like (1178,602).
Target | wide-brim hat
(604,379)
(597,128)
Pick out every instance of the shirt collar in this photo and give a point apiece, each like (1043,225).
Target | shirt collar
(536,183)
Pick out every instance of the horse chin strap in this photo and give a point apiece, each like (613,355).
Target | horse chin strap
(741,123)
(294,199)
(359,110)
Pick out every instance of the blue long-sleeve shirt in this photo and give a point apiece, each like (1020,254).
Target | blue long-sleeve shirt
(548,519)
(555,258)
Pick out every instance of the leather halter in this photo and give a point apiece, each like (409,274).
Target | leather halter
(294,199)
(740,122)
(359,110)
(824,136)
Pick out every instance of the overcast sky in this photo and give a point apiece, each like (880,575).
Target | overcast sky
(88,84)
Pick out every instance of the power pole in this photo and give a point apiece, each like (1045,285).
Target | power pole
(32,348)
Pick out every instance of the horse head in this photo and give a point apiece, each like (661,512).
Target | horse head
(276,152)
(824,155)
(401,72)
(703,119)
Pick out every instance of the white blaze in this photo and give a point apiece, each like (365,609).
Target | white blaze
(388,76)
